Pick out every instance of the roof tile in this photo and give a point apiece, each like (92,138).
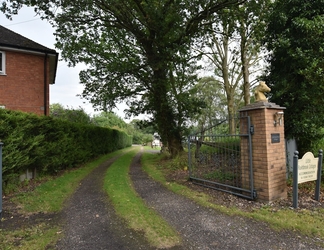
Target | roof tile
(11,39)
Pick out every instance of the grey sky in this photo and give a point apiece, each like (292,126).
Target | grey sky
(66,86)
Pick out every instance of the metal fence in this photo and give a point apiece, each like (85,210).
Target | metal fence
(220,157)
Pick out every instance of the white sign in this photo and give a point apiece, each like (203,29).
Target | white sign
(307,168)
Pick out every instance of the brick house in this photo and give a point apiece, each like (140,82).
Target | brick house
(26,71)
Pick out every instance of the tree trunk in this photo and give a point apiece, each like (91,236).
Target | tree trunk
(246,79)
(230,92)
(245,65)
(169,131)
(164,116)
(231,114)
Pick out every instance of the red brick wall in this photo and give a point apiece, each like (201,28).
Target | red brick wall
(22,88)
(268,157)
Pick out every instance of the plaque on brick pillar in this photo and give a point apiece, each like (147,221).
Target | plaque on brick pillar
(268,147)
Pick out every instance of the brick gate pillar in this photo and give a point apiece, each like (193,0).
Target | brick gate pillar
(268,150)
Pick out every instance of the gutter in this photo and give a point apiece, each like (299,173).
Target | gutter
(30,51)
(45,84)
(51,53)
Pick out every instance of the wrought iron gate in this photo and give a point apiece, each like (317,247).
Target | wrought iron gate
(220,157)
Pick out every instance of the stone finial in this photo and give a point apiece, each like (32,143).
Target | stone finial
(259,92)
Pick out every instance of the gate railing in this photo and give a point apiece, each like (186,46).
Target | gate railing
(221,160)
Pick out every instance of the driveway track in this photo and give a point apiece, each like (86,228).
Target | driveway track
(91,222)
(203,228)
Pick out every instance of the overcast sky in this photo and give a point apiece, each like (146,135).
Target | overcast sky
(67,85)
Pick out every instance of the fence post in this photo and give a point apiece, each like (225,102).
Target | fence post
(189,155)
(319,173)
(295,180)
(1,143)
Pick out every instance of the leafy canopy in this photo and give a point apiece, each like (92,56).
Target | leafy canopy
(295,36)
(57,111)
(136,51)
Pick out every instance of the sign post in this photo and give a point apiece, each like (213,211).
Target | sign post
(306,169)
(319,172)
(295,180)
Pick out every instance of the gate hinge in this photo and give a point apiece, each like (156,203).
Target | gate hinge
(252,129)
(255,195)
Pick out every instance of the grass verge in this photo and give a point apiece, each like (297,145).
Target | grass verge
(131,207)
(40,236)
(310,223)
(49,196)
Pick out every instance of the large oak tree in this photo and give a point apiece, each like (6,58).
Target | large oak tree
(136,51)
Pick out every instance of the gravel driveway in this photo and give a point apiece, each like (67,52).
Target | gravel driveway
(91,222)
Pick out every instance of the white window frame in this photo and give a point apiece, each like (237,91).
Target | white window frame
(3,63)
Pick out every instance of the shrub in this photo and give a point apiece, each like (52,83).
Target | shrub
(50,145)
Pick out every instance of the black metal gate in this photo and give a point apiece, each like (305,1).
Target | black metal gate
(220,157)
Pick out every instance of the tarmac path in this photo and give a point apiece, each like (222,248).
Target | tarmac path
(91,223)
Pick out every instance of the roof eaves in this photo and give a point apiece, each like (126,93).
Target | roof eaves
(28,49)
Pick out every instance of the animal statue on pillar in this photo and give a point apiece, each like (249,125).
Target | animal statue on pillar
(259,92)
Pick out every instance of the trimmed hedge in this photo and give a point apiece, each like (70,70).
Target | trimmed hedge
(50,145)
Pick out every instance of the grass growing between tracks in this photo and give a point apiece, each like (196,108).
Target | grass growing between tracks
(307,222)
(131,207)
(47,197)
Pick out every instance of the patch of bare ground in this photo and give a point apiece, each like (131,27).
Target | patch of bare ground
(14,218)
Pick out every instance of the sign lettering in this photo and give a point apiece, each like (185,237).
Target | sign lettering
(307,168)
(275,138)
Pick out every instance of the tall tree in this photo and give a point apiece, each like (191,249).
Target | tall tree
(211,92)
(295,36)
(225,59)
(234,49)
(250,25)
(135,50)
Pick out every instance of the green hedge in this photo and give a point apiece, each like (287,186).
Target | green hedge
(50,145)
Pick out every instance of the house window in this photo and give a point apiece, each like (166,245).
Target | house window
(2,63)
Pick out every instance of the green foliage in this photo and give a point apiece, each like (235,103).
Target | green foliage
(57,111)
(142,131)
(38,236)
(295,75)
(180,162)
(50,145)
(210,91)
(220,145)
(110,120)
(135,128)
(140,138)
(136,51)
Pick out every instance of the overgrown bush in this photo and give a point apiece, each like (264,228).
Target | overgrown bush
(50,145)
